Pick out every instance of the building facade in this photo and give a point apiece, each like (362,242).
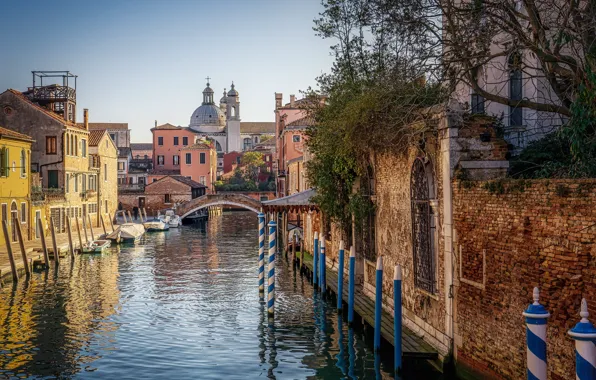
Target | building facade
(199,163)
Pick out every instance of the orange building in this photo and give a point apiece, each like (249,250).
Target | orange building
(199,163)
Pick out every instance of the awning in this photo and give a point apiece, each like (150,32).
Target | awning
(301,200)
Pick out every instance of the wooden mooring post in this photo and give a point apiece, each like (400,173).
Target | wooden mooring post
(23,252)
(103,225)
(130,216)
(54,244)
(70,245)
(13,266)
(79,234)
(44,246)
(111,221)
(85,230)
(91,227)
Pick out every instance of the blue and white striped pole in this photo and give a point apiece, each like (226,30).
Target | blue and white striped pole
(322,270)
(584,334)
(271,273)
(340,277)
(536,316)
(351,279)
(315,260)
(261,217)
(378,303)
(397,321)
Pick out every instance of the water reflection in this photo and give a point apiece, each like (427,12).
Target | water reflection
(182,305)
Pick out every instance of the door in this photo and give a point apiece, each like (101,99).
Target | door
(141,202)
(37,217)
(14,219)
(53,179)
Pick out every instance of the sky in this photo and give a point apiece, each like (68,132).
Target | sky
(139,61)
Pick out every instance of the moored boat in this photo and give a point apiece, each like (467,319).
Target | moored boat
(96,246)
(171,218)
(127,233)
(156,225)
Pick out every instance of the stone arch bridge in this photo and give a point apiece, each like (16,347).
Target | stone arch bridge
(221,199)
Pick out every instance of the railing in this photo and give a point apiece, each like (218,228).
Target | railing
(87,194)
(50,194)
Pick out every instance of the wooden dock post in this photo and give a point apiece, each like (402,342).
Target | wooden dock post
(13,267)
(70,245)
(79,233)
(44,246)
(130,216)
(90,227)
(23,252)
(111,221)
(143,211)
(54,244)
(85,230)
(103,225)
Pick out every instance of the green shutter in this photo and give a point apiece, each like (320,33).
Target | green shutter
(6,162)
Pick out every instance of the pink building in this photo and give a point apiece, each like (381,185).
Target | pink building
(168,139)
(199,163)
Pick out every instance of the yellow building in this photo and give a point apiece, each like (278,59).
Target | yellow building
(15,181)
(103,162)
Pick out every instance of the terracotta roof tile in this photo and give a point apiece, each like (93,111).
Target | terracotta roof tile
(166,126)
(15,135)
(197,146)
(257,127)
(188,181)
(95,137)
(43,110)
(307,121)
(141,146)
(104,126)
(164,172)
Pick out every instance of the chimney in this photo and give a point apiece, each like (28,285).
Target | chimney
(155,123)
(292,100)
(278,99)
(86,118)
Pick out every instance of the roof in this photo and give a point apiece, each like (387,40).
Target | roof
(166,126)
(4,132)
(197,146)
(188,181)
(266,143)
(47,112)
(257,127)
(95,136)
(303,198)
(105,126)
(307,121)
(124,151)
(165,172)
(297,159)
(141,146)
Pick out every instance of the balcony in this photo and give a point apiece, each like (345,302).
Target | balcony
(131,187)
(47,194)
(88,194)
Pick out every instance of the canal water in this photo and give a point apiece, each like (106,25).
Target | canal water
(181,305)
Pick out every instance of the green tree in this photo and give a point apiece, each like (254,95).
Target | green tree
(251,162)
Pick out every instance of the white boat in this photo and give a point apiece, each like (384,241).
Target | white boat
(156,225)
(127,233)
(96,246)
(171,218)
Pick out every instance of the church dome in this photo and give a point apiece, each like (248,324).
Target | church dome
(224,98)
(207,117)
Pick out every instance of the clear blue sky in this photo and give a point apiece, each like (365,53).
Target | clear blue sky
(145,60)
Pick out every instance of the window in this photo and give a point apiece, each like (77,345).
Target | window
(168,198)
(71,141)
(83,148)
(76,152)
(188,158)
(477,104)
(176,140)
(515,89)
(23,212)
(67,184)
(113,137)
(137,156)
(247,143)
(146,156)
(51,147)
(23,163)
(53,179)
(423,226)
(154,180)
(202,158)
(105,172)
(37,217)
(76,183)
(238,160)
(176,160)
(296,138)
(185,141)
(67,144)
(160,160)
(160,141)
(202,180)
(120,165)
(84,183)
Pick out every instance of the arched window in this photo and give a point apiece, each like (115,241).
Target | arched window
(72,145)
(67,144)
(423,225)
(76,148)
(247,143)
(23,163)
(515,89)
(233,111)
(218,147)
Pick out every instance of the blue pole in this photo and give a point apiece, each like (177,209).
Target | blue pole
(584,334)
(271,274)
(322,261)
(340,277)
(351,286)
(397,321)
(536,316)
(378,303)
(315,260)
(261,217)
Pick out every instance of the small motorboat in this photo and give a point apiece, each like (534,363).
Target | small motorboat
(127,233)
(172,219)
(96,246)
(156,225)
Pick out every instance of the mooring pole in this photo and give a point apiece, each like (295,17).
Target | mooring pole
(44,246)
(378,303)
(91,227)
(315,261)
(351,287)
(111,221)
(271,274)
(261,218)
(85,230)
(23,252)
(79,234)
(397,319)
(536,318)
(103,226)
(70,246)
(54,243)
(584,334)
(322,271)
(340,277)
(13,266)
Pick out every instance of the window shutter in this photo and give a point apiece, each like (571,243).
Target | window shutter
(6,162)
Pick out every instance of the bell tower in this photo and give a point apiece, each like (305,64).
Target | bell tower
(233,120)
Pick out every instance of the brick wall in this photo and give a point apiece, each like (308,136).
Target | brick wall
(513,235)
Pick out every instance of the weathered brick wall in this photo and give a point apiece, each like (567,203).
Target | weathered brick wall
(511,236)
